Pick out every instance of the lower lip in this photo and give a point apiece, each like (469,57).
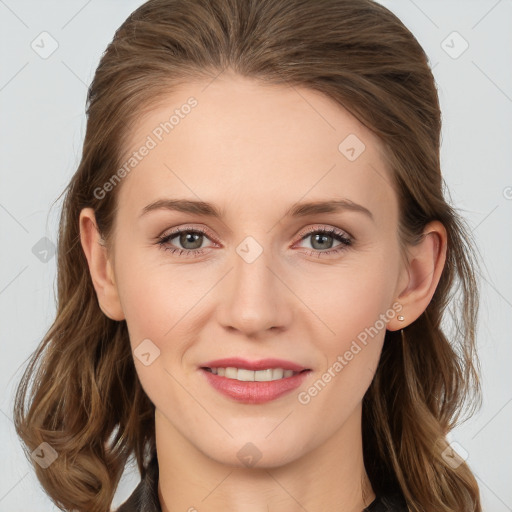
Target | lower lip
(254,392)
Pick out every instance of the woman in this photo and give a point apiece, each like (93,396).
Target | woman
(255,257)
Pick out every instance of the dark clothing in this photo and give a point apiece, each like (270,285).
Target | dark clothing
(388,503)
(145,496)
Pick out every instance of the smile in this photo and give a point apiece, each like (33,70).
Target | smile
(244,375)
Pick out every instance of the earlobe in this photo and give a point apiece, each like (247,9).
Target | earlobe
(100,266)
(424,271)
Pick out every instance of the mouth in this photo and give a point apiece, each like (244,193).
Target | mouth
(254,382)
(244,375)
(263,370)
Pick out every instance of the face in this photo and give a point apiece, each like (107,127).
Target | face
(312,287)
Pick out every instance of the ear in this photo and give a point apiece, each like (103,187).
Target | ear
(100,267)
(419,279)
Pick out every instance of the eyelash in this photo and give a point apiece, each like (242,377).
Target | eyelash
(339,235)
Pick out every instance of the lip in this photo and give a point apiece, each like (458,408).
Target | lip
(253,392)
(262,364)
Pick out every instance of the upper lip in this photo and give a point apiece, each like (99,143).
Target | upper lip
(262,364)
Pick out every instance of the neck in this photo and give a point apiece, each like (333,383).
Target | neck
(331,476)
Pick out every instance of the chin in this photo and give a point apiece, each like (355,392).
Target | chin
(258,454)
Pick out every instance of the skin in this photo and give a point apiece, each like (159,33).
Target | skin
(254,150)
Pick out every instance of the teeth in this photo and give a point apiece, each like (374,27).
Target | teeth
(231,373)
(249,375)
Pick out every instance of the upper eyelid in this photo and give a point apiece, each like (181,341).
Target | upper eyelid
(186,229)
(333,229)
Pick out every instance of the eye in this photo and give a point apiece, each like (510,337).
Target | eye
(190,239)
(322,239)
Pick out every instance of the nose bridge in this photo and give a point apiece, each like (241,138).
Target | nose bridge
(254,299)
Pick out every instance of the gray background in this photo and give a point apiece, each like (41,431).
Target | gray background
(42,100)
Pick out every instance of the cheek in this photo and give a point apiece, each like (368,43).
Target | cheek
(152,293)
(339,304)
(158,297)
(353,305)
(161,303)
(351,352)
(347,300)
(157,304)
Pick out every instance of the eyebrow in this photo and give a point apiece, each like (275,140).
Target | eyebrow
(297,210)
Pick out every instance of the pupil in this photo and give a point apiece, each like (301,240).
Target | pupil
(320,235)
(194,238)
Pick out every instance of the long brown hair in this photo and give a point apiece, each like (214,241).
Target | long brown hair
(83,394)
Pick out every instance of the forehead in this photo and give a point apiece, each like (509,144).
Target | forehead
(239,142)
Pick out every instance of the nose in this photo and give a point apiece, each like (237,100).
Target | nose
(254,298)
